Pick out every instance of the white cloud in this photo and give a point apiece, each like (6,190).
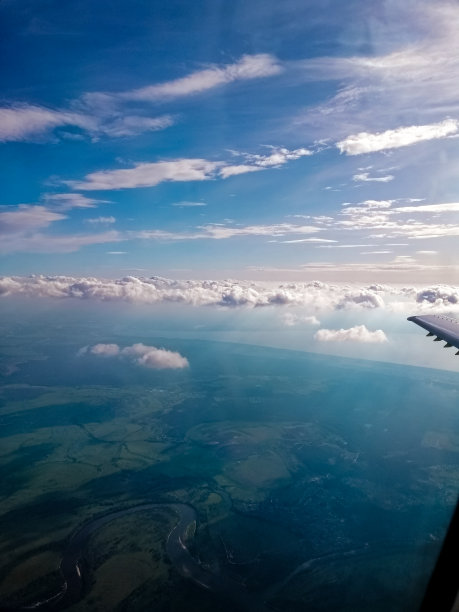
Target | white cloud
(291,319)
(247,68)
(375,252)
(104,114)
(96,220)
(131,125)
(221,232)
(300,240)
(148,174)
(20,230)
(140,354)
(46,243)
(440,295)
(411,72)
(434,208)
(25,218)
(366,142)
(280,229)
(228,171)
(24,122)
(153,173)
(155,358)
(28,122)
(359,333)
(67,201)
(343,246)
(388,221)
(278,156)
(187,204)
(315,297)
(105,350)
(366,178)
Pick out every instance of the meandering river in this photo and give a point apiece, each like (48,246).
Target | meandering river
(179,555)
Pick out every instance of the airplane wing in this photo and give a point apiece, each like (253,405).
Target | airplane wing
(442,327)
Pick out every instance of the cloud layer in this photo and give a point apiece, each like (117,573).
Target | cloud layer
(315,296)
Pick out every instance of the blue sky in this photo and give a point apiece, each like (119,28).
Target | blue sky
(307,150)
(258,140)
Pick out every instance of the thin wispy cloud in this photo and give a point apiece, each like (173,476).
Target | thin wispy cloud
(188,204)
(365,177)
(148,175)
(67,201)
(101,220)
(222,232)
(447,207)
(307,240)
(38,242)
(180,170)
(26,218)
(27,122)
(413,74)
(22,122)
(366,142)
(278,156)
(234,170)
(247,68)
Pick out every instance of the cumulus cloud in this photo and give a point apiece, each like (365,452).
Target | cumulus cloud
(361,298)
(155,358)
(366,142)
(291,319)
(440,295)
(105,350)
(147,356)
(359,333)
